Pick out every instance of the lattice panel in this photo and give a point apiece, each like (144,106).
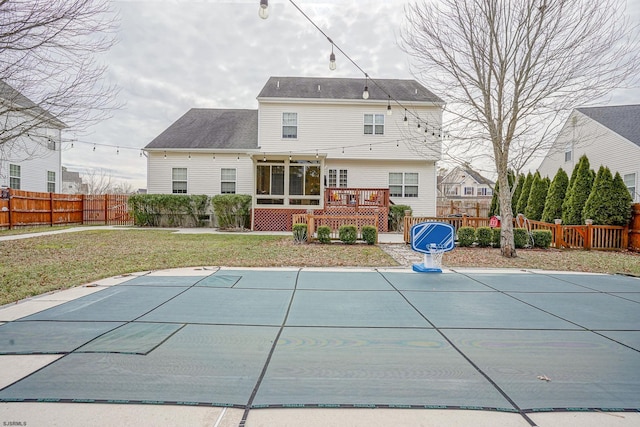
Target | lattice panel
(274,219)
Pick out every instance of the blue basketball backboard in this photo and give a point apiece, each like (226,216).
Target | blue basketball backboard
(426,234)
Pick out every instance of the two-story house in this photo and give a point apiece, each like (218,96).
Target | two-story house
(608,136)
(30,138)
(312,144)
(463,182)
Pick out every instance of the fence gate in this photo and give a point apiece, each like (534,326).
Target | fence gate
(107,209)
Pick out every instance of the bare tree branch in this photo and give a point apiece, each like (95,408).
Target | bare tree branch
(511,71)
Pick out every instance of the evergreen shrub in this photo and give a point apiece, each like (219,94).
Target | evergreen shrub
(520,237)
(348,234)
(370,234)
(324,234)
(466,236)
(483,236)
(542,238)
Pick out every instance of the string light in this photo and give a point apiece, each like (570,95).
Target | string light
(140,153)
(263,12)
(189,156)
(117,151)
(165,155)
(316,154)
(332,59)
(365,92)
(406,122)
(94,147)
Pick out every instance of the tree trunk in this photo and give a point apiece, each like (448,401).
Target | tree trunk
(507,245)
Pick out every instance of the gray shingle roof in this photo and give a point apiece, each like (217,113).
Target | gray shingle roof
(341,88)
(622,119)
(16,98)
(206,128)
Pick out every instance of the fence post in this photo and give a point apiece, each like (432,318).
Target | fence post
(588,235)
(558,233)
(465,222)
(51,209)
(310,226)
(625,239)
(10,209)
(106,209)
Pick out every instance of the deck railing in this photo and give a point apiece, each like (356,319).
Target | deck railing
(334,222)
(356,197)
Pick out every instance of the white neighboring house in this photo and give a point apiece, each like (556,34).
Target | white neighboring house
(308,135)
(32,161)
(465,183)
(608,136)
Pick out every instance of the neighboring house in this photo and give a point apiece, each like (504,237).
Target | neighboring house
(72,183)
(32,160)
(308,136)
(462,182)
(608,136)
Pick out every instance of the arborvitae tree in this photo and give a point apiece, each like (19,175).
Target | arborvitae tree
(599,202)
(580,192)
(494,209)
(555,197)
(567,196)
(537,197)
(620,210)
(524,194)
(516,194)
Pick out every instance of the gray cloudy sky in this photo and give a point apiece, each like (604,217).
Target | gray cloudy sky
(174,55)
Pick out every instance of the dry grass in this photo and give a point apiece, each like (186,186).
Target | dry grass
(33,266)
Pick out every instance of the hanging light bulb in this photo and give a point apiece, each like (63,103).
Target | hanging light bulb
(389,112)
(94,147)
(418,125)
(332,60)
(214,157)
(71,144)
(289,155)
(264,157)
(316,154)
(342,150)
(165,155)
(140,153)
(369,147)
(263,12)
(189,156)
(406,122)
(365,92)
(117,150)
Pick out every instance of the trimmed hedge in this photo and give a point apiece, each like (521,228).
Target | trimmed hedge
(168,210)
(233,211)
(348,234)
(495,237)
(324,234)
(483,236)
(300,231)
(369,234)
(466,236)
(542,238)
(520,237)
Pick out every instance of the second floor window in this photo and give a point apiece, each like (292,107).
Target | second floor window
(468,191)
(374,124)
(179,180)
(290,125)
(568,152)
(403,184)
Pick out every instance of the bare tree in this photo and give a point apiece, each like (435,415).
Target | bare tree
(50,77)
(511,70)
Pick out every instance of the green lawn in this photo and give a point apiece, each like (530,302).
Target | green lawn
(34,266)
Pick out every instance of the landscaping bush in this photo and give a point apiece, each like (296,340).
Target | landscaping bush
(369,234)
(542,238)
(172,210)
(466,236)
(233,211)
(495,237)
(348,234)
(537,197)
(324,234)
(609,202)
(483,236)
(578,193)
(555,197)
(520,237)
(300,233)
(396,217)
(523,198)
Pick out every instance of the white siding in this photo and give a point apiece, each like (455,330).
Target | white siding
(375,174)
(328,127)
(601,145)
(35,160)
(203,172)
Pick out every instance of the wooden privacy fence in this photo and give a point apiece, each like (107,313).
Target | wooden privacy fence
(472,208)
(588,236)
(334,222)
(20,208)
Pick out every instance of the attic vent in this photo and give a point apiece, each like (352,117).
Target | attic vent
(278,84)
(318,88)
(416,91)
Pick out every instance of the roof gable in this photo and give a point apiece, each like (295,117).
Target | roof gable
(24,104)
(207,128)
(346,89)
(621,119)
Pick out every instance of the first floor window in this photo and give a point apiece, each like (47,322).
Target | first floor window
(374,124)
(179,180)
(14,176)
(227,181)
(51,182)
(270,181)
(403,184)
(338,178)
(630,182)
